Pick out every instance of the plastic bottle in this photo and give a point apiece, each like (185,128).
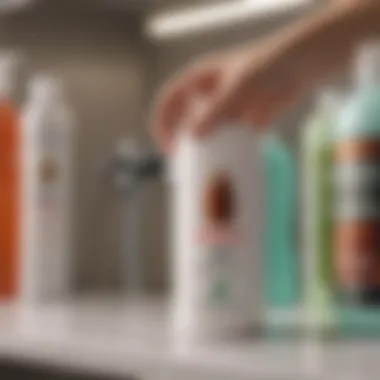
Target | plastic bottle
(46,192)
(281,261)
(317,161)
(357,185)
(217,225)
(9,183)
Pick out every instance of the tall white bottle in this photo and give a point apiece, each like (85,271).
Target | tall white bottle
(217,224)
(46,192)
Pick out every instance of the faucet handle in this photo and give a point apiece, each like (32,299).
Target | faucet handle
(130,165)
(151,166)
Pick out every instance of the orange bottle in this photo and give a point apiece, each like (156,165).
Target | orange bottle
(9,185)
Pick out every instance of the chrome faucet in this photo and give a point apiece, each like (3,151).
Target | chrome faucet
(126,172)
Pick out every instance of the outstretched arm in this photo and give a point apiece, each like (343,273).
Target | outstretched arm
(255,82)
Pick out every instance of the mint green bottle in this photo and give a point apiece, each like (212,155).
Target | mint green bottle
(316,220)
(281,285)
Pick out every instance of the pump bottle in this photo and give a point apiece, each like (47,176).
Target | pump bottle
(46,194)
(281,263)
(217,226)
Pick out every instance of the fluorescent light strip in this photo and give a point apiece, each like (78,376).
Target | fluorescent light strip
(196,19)
(13,5)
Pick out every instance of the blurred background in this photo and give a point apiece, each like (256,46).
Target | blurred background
(112,56)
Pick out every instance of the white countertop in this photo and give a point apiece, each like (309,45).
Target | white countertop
(120,338)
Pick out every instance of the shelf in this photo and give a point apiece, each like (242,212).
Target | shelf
(133,339)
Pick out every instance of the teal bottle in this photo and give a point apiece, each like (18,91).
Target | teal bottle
(280,256)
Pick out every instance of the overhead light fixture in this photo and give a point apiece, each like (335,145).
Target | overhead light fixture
(13,5)
(202,18)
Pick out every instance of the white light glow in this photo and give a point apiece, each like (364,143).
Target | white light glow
(196,19)
(13,5)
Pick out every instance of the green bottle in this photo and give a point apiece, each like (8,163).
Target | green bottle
(280,257)
(317,162)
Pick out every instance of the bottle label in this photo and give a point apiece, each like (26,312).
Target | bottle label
(218,264)
(219,238)
(49,181)
(50,146)
(50,194)
(358,254)
(357,216)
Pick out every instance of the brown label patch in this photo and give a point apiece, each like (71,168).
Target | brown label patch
(357,259)
(219,199)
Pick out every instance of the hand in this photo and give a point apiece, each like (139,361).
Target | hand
(238,85)
(253,85)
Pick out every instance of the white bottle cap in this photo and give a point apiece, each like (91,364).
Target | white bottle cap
(330,98)
(368,63)
(45,88)
(8,63)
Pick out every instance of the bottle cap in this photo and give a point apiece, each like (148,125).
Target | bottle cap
(368,63)
(330,98)
(45,88)
(8,64)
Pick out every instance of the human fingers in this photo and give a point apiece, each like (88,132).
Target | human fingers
(222,106)
(170,107)
(201,79)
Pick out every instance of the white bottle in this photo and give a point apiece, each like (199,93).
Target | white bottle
(217,224)
(46,138)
